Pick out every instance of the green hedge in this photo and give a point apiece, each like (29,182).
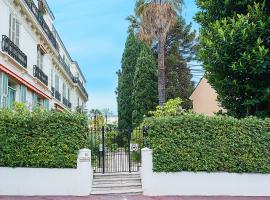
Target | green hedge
(43,139)
(211,144)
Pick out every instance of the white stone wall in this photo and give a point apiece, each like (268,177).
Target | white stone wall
(201,183)
(49,182)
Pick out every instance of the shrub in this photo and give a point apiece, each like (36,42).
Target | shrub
(212,144)
(44,139)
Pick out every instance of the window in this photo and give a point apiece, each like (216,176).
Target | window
(78,102)
(52,75)
(23,91)
(40,57)
(57,82)
(14,30)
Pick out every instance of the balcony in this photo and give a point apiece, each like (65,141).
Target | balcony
(32,6)
(66,68)
(66,102)
(14,51)
(77,80)
(40,75)
(57,95)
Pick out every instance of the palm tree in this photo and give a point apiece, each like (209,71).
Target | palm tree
(156,18)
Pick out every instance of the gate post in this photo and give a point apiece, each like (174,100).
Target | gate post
(103,150)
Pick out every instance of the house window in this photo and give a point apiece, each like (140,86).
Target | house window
(23,91)
(52,75)
(46,104)
(40,58)
(14,30)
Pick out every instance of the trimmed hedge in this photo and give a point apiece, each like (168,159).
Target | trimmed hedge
(43,139)
(212,144)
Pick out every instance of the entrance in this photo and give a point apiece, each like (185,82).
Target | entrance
(115,150)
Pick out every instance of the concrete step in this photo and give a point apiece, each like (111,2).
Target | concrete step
(111,192)
(114,176)
(111,186)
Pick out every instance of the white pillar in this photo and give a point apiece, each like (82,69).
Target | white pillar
(85,171)
(146,169)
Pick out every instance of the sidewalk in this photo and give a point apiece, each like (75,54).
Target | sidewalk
(122,197)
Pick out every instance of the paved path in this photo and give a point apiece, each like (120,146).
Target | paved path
(116,197)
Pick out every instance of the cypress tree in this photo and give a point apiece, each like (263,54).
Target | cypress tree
(125,81)
(145,92)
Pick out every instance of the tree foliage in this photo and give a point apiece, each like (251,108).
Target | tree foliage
(144,96)
(125,81)
(236,56)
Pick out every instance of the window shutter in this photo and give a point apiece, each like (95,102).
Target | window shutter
(46,104)
(23,91)
(34,100)
(13,26)
(10,25)
(17,36)
(1,74)
(4,90)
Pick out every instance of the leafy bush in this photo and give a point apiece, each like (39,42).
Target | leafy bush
(44,139)
(172,107)
(212,144)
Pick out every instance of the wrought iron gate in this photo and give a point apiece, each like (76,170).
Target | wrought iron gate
(116,150)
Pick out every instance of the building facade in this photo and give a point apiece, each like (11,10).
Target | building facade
(204,99)
(35,67)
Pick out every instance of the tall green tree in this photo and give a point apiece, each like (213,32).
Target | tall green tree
(236,54)
(125,81)
(145,92)
(179,50)
(157,17)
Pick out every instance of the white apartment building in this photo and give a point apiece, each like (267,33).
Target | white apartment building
(35,67)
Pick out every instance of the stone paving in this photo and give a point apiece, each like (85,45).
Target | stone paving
(122,197)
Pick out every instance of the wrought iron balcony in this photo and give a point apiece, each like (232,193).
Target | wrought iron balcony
(32,6)
(38,73)
(14,51)
(57,95)
(53,91)
(77,80)
(66,102)
(66,68)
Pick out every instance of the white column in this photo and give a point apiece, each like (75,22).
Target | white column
(85,171)
(146,169)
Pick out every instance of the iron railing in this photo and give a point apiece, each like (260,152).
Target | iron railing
(66,68)
(39,74)
(14,51)
(42,22)
(53,91)
(77,80)
(66,102)
(57,95)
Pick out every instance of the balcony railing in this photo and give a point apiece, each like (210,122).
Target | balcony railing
(66,102)
(57,95)
(66,68)
(77,80)
(14,51)
(39,74)
(53,91)
(32,6)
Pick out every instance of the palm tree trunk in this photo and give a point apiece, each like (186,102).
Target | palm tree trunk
(161,72)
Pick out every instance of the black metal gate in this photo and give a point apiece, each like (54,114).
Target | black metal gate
(115,150)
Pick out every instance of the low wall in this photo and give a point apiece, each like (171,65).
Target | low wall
(201,183)
(49,182)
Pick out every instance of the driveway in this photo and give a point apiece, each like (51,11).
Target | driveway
(122,197)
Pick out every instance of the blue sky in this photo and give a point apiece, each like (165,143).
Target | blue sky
(94,32)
